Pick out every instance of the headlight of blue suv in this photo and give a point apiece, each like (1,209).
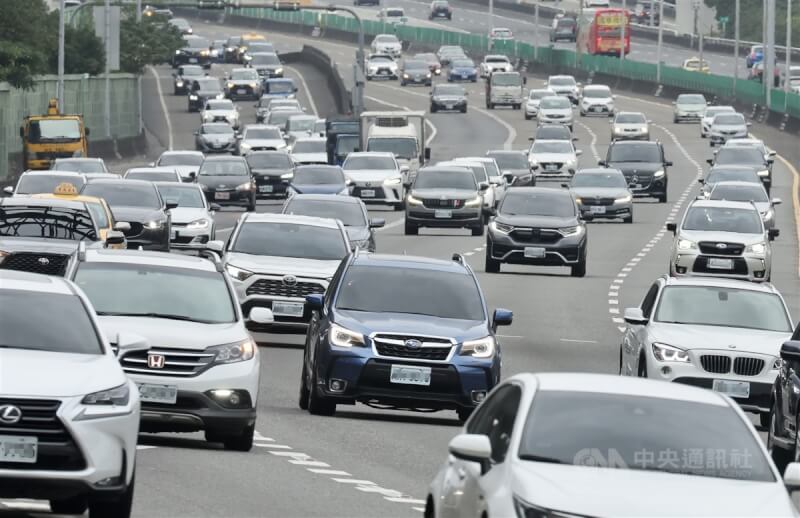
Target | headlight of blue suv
(113,396)
(483,348)
(668,353)
(341,337)
(237,273)
(235,352)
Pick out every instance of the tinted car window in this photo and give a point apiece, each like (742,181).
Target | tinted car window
(631,118)
(124,193)
(729,118)
(224,168)
(73,224)
(290,240)
(262,133)
(69,328)
(318,176)
(739,156)
(626,153)
(151,176)
(599,180)
(510,160)
(538,204)
(35,183)
(754,193)
(180,159)
(553,133)
(723,219)
(445,180)
(350,214)
(731,175)
(368,162)
(269,160)
(691,99)
(185,196)
(79,166)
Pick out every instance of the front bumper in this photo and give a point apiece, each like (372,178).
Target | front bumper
(416,80)
(191,59)
(606,110)
(721,138)
(264,290)
(544,120)
(188,238)
(748,267)
(383,73)
(229,197)
(242,92)
(555,171)
(377,192)
(207,147)
(450,105)
(268,186)
(422,216)
(630,135)
(647,186)
(510,249)
(531,110)
(613,211)
(453,77)
(688,116)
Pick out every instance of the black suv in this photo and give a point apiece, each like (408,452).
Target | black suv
(272,170)
(440,9)
(202,90)
(537,226)
(227,180)
(445,197)
(232,49)
(197,51)
(565,28)
(644,166)
(783,432)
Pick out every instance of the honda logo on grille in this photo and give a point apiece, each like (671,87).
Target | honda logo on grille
(290,280)
(44,261)
(413,344)
(156,361)
(722,246)
(10,414)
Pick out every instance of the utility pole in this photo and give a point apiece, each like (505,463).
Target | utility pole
(653,11)
(579,36)
(60,86)
(138,10)
(786,74)
(139,78)
(536,32)
(660,40)
(769,52)
(108,68)
(491,15)
(736,47)
(622,32)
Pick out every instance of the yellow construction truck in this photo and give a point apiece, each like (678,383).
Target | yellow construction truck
(51,136)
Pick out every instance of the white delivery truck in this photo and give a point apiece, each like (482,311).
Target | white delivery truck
(400,132)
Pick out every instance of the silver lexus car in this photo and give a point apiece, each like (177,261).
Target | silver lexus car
(722,239)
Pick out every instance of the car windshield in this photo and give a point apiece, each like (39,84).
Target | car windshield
(554,102)
(445,180)
(209,85)
(350,214)
(43,183)
(712,111)
(553,133)
(463,63)
(69,328)
(386,38)
(552,146)
(151,176)
(597,431)
(309,146)
(723,219)
(157,291)
(456,90)
(192,71)
(415,65)
(615,179)
(732,175)
(262,133)
(279,117)
(168,159)
(565,23)
(739,156)
(291,240)
(244,74)
(496,59)
(187,196)
(51,222)
(265,59)
(347,144)
(730,119)
(691,99)
(220,105)
(415,291)
(318,176)
(723,307)
(125,194)
(280,87)
(198,43)
(631,118)
(224,168)
(402,147)
(301,124)
(269,160)
(510,160)
(501,79)
(539,94)
(635,153)
(79,166)
(217,129)
(54,130)
(381,59)
(597,93)
(355,163)
(562,81)
(753,192)
(557,204)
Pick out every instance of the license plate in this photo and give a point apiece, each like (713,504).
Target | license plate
(265,188)
(367,193)
(596,109)
(533,252)
(241,91)
(167,394)
(464,76)
(551,167)
(720,264)
(597,210)
(383,72)
(222,196)
(14,448)
(410,375)
(740,389)
(288,309)
(443,214)
(192,60)
(449,106)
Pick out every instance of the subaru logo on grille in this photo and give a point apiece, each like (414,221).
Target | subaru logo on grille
(44,261)
(722,246)
(156,361)
(290,280)
(10,414)
(413,344)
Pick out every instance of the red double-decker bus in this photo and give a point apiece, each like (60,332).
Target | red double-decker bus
(600,31)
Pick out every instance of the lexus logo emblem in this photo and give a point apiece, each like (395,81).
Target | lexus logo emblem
(44,261)
(634,178)
(10,414)
(722,246)
(290,280)
(413,344)
(156,361)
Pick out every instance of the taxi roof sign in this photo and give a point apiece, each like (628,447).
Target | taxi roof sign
(65,189)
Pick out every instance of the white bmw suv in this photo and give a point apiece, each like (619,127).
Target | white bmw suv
(69,416)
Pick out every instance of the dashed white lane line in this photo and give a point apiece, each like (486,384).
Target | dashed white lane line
(593,142)
(145,447)
(163,107)
(305,87)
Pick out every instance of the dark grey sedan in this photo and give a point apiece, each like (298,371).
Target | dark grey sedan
(215,137)
(448,97)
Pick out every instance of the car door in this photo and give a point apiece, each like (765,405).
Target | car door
(635,337)
(463,485)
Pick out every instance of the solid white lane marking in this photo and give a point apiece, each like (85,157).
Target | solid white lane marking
(145,447)
(163,107)
(391,225)
(274,446)
(305,87)
(593,142)
(354,481)
(405,500)
(322,471)
(576,341)
(314,463)
(380,490)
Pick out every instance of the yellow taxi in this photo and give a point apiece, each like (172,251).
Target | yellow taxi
(695,65)
(97,206)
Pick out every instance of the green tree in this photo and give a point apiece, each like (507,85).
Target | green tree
(752,19)
(148,42)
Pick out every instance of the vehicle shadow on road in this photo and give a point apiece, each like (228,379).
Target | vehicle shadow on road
(411,418)
(174,441)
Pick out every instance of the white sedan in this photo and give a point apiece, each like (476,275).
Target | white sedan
(576,445)
(220,110)
(382,66)
(495,63)
(553,158)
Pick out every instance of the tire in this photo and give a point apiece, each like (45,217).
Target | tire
(478,230)
(527,117)
(780,456)
(662,198)
(429,510)
(319,405)
(674,120)
(411,229)
(629,219)
(578,270)
(434,108)
(118,508)
(402,83)
(702,135)
(74,505)
(464,413)
(764,420)
(242,441)
(302,400)
(464,109)
(491,265)
(251,207)
(642,371)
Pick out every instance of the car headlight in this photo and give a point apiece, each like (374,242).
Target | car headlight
(405,76)
(207,117)
(287,176)
(685,244)
(533,162)
(235,352)
(192,97)
(624,199)
(215,52)
(571,231)
(152,225)
(3,255)
(659,173)
(483,348)
(204,53)
(763,173)
(525,178)
(474,202)
(220,95)
(757,248)
(341,337)
(501,227)
(245,186)
(203,187)
(244,146)
(240,274)
(113,396)
(578,200)
(668,353)
(253,85)
(230,85)
(178,52)
(429,75)
(396,180)
(179,84)
(199,224)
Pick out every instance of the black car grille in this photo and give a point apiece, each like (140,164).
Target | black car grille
(597,201)
(167,362)
(48,264)
(715,363)
(550,167)
(442,204)
(279,288)
(644,181)
(394,345)
(701,266)
(715,248)
(376,374)
(247,89)
(535,235)
(746,366)
(56,449)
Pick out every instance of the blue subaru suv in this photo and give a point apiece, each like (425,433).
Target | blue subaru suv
(401,332)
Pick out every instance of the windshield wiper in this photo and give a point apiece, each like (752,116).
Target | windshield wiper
(540,458)
(152,315)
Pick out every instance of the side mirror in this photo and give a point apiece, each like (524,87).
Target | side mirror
(575,139)
(773,233)
(152,164)
(21,132)
(601,163)
(261,315)
(710,161)
(377,223)
(634,316)
(649,121)
(668,163)
(315,301)
(195,133)
(502,317)
(791,477)
(790,350)
(86,131)
(8,190)
(525,80)
(214,207)
(427,153)
(472,448)
(749,124)
(770,161)
(216,246)
(348,182)
(115,237)
(170,204)
(771,153)
(122,226)
(531,139)
(404,169)
(510,178)
(578,152)
(533,167)
(407,184)
(192,175)
(483,186)
(701,180)
(776,201)
(672,227)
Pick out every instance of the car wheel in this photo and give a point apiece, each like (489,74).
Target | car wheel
(491,265)
(674,120)
(642,370)
(464,413)
(629,219)
(578,270)
(780,456)
(241,442)
(74,505)
(411,229)
(702,135)
(527,117)
(464,109)
(319,405)
(302,400)
(662,198)
(402,83)
(120,507)
(434,108)
(251,207)
(764,420)
(477,230)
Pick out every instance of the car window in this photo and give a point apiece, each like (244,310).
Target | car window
(739,156)
(556,103)
(557,204)
(224,168)
(613,179)
(216,129)
(353,163)
(691,99)
(600,93)
(262,133)
(309,146)
(152,176)
(290,240)
(729,119)
(510,160)
(44,183)
(723,219)
(350,214)
(755,193)
(445,180)
(99,214)
(51,222)
(186,196)
(80,166)
(268,160)
(125,194)
(552,146)
(650,300)
(318,176)
(631,118)
(635,153)
(495,419)
(180,159)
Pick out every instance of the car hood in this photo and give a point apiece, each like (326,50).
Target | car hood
(407,323)
(357,233)
(552,157)
(691,108)
(566,112)
(728,127)
(187,214)
(87,373)
(589,491)
(369,175)
(163,332)
(217,138)
(315,188)
(600,192)
(39,245)
(222,182)
(731,339)
(277,143)
(137,214)
(640,168)
(727,237)
(283,265)
(537,221)
(228,114)
(305,158)
(445,194)
(241,82)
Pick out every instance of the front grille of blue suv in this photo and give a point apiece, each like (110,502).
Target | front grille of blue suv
(401,332)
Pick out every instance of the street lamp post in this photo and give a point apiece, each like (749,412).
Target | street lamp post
(768,76)
(736,47)
(622,33)
(60,86)
(786,74)
(660,40)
